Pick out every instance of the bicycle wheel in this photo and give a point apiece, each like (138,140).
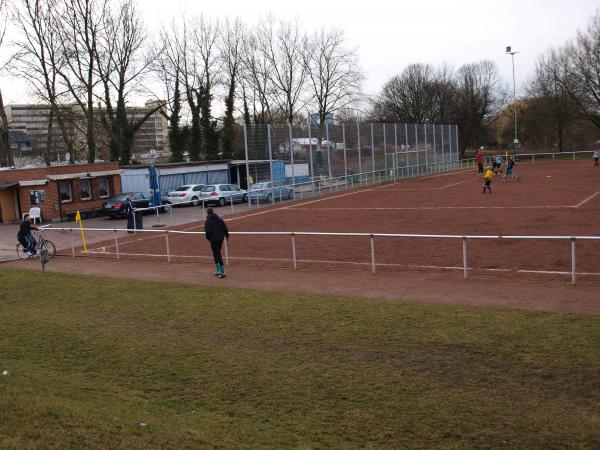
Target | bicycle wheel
(22,252)
(49,246)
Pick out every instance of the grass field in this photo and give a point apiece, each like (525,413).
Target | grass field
(105,363)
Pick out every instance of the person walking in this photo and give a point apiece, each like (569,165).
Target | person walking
(24,235)
(596,157)
(130,210)
(480,160)
(216,232)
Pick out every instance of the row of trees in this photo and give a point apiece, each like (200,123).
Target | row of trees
(472,97)
(97,55)
(560,106)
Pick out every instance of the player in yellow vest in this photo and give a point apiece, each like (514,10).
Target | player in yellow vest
(487,180)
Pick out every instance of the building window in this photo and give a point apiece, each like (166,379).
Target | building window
(103,187)
(85,189)
(66,195)
(37,198)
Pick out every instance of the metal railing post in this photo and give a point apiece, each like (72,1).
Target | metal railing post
(372,254)
(117,244)
(72,244)
(573,261)
(231,198)
(464,249)
(168,247)
(294,252)
(226,251)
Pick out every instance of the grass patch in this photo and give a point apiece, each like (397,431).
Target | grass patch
(91,358)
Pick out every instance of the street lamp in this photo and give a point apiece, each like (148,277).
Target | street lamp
(512,55)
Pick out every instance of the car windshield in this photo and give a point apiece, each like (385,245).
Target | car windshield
(260,186)
(182,188)
(208,189)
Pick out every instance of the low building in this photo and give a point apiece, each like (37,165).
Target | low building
(59,191)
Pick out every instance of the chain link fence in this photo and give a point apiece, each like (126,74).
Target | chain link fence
(310,156)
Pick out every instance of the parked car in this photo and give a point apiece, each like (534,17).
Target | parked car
(267,191)
(116,207)
(186,193)
(221,194)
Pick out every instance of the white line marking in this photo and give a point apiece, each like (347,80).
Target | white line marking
(317,261)
(434,208)
(587,200)
(453,184)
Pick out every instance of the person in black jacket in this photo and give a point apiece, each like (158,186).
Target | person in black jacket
(216,231)
(24,235)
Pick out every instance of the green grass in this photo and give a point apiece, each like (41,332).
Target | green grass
(91,358)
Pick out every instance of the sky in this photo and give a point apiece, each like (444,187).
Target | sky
(390,35)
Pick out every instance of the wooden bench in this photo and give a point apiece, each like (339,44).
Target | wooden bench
(92,211)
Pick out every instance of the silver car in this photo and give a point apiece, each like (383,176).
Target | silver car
(222,194)
(267,191)
(187,193)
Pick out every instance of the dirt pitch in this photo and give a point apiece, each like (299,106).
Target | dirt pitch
(552,198)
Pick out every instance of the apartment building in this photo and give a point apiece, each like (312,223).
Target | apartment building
(31,122)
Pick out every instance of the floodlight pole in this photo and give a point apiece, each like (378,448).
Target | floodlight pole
(512,55)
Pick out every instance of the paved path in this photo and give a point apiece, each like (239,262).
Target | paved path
(541,295)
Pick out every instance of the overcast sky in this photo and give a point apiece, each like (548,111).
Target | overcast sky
(391,34)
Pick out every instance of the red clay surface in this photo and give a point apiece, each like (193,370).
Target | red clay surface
(552,198)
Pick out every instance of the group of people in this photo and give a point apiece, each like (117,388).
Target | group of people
(494,169)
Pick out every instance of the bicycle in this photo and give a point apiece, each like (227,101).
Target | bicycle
(42,244)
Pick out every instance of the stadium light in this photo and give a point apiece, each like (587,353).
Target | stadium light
(512,55)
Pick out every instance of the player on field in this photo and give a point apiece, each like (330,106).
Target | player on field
(596,157)
(480,161)
(498,164)
(509,170)
(487,180)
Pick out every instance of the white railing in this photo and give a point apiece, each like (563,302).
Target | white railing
(370,236)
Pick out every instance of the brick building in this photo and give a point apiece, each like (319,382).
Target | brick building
(59,191)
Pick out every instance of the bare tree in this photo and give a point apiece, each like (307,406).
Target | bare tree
(334,76)
(121,65)
(480,97)
(6,156)
(256,82)
(413,97)
(80,23)
(549,104)
(38,59)
(204,40)
(582,80)
(282,46)
(231,45)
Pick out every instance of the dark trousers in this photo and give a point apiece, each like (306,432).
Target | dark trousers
(216,249)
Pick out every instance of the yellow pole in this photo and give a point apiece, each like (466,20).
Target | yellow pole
(78,219)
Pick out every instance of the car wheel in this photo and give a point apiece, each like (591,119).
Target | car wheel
(245,198)
(195,201)
(291,194)
(269,198)
(222,201)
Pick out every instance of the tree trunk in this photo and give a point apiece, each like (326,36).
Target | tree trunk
(6,156)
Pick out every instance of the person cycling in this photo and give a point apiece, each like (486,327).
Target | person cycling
(24,235)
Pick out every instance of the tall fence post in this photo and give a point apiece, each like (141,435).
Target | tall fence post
(226,251)
(247,164)
(72,244)
(372,154)
(328,153)
(573,261)
(426,149)
(117,244)
(345,158)
(464,249)
(294,263)
(372,254)
(310,153)
(395,158)
(358,148)
(270,163)
(292,156)
(168,247)
(385,161)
